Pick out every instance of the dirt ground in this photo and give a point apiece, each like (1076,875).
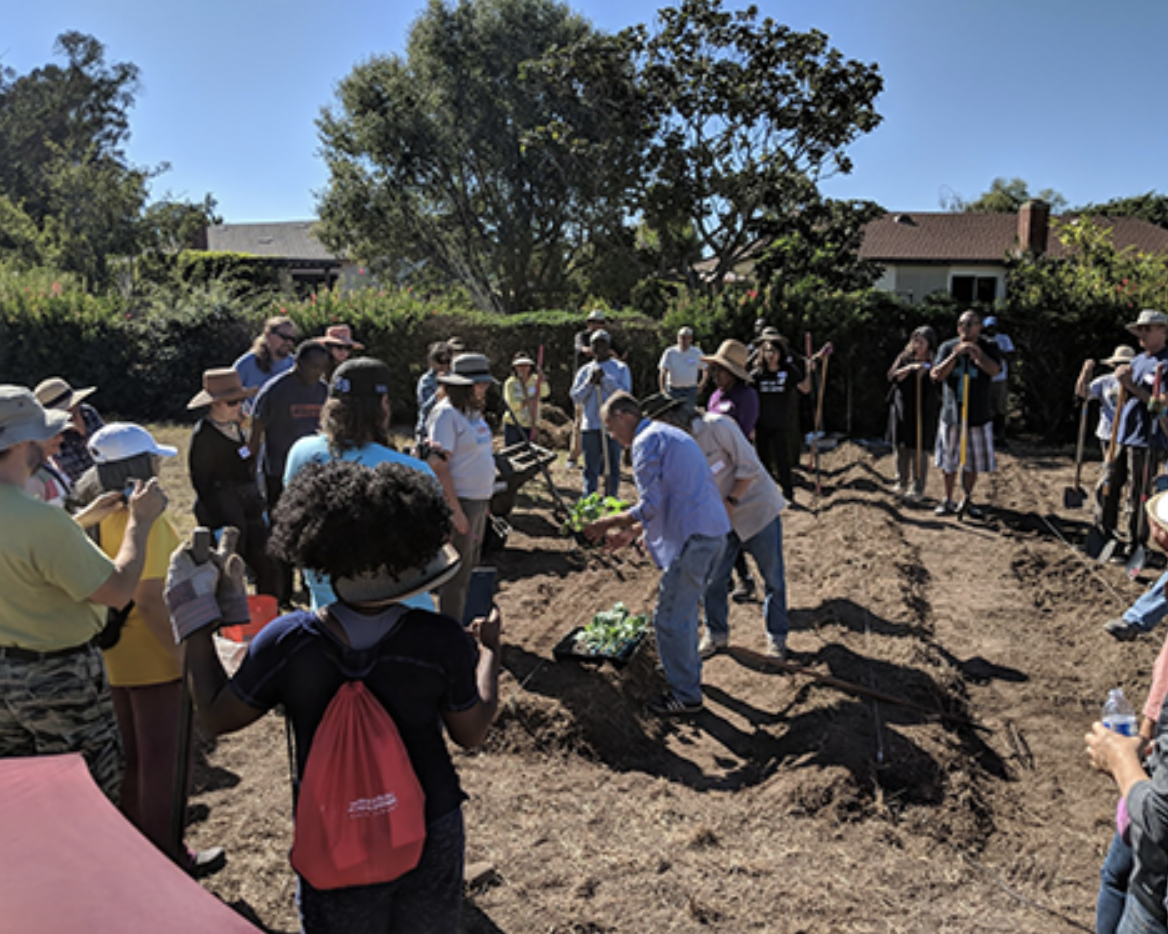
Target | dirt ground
(790,805)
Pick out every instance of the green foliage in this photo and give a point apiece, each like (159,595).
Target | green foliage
(610,631)
(588,509)
(240,273)
(449,165)
(1006,197)
(1150,206)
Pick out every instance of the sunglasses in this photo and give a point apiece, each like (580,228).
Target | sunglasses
(283,335)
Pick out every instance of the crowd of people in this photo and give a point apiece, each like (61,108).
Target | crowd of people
(103,610)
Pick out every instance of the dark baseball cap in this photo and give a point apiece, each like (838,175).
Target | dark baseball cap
(364,377)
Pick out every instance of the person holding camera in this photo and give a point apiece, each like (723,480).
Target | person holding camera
(594,384)
(54,580)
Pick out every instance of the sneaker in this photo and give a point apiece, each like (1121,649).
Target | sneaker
(776,648)
(744,591)
(968,509)
(669,705)
(572,465)
(912,496)
(947,508)
(711,644)
(1121,630)
(202,863)
(898,488)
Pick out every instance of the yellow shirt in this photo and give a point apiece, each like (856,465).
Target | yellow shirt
(48,569)
(519,396)
(139,658)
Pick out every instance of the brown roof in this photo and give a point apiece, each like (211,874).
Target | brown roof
(983,238)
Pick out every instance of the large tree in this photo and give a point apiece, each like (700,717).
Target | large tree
(1006,196)
(451,162)
(1150,206)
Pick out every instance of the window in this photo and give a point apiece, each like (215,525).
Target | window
(974,288)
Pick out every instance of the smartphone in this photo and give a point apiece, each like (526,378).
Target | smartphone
(201,545)
(129,488)
(480,594)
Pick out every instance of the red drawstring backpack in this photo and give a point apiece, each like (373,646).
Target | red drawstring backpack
(361,812)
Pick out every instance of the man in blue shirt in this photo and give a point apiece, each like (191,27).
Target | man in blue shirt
(594,384)
(684,526)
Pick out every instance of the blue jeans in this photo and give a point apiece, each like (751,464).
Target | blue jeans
(1138,920)
(593,446)
(426,900)
(1113,879)
(675,619)
(1145,614)
(766,547)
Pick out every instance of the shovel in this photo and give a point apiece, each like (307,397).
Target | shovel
(1139,555)
(1074,497)
(1100,544)
(964,437)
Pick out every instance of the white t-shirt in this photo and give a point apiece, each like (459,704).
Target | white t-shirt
(472,462)
(681,366)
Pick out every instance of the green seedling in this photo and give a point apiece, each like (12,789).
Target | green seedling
(610,631)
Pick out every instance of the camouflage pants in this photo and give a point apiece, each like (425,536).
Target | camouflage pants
(59,705)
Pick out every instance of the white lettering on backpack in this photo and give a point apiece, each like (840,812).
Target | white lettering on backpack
(371,807)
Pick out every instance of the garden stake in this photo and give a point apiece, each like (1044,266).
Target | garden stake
(534,403)
(964,436)
(920,440)
(1139,555)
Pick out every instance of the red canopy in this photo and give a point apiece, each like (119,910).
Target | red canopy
(69,862)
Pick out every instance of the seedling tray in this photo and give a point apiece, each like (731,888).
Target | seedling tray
(568,650)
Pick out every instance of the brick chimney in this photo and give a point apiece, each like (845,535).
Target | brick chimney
(1033,227)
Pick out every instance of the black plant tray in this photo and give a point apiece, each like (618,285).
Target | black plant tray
(567,650)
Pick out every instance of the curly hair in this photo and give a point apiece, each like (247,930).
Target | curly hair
(344,519)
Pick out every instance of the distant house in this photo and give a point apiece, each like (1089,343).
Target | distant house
(965,254)
(303,261)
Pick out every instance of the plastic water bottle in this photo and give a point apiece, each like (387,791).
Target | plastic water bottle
(1118,714)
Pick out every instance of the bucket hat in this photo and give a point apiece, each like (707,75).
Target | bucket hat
(23,418)
(732,355)
(1123,354)
(120,441)
(55,393)
(597,315)
(339,335)
(221,385)
(1149,317)
(381,587)
(467,369)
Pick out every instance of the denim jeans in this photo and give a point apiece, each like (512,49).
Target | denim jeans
(675,619)
(1138,920)
(1113,878)
(594,446)
(766,547)
(426,900)
(1152,606)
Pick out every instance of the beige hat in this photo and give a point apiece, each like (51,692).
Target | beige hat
(522,359)
(222,385)
(339,335)
(1149,317)
(55,393)
(1123,354)
(23,418)
(1157,508)
(732,355)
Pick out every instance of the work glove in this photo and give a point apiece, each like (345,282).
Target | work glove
(231,591)
(190,593)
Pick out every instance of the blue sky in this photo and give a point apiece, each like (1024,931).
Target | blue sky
(1062,93)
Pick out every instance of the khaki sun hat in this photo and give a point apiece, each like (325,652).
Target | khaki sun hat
(1123,354)
(222,385)
(1149,316)
(339,335)
(23,418)
(732,356)
(522,359)
(55,393)
(467,369)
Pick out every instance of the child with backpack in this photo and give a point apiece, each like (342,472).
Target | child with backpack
(365,681)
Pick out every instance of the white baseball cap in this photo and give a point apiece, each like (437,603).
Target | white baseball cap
(120,441)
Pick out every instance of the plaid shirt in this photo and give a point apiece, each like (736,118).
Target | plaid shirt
(73,459)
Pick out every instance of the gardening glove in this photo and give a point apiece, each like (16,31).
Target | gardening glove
(231,591)
(190,594)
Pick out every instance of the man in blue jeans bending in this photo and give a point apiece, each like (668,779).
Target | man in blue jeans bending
(684,525)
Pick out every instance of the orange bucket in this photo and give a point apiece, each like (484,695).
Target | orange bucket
(262,608)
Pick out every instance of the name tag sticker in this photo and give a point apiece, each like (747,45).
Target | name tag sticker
(717,467)
(244,452)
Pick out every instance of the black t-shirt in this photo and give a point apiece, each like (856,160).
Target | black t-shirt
(979,384)
(425,666)
(290,410)
(777,393)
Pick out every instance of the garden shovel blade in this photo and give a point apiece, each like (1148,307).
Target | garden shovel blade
(1075,496)
(1099,544)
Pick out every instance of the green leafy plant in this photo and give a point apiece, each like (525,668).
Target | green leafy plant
(589,509)
(610,631)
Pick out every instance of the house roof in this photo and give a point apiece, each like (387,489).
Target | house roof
(289,240)
(926,237)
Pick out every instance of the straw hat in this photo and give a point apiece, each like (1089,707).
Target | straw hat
(223,385)
(1123,354)
(732,356)
(339,335)
(380,587)
(55,393)
(23,418)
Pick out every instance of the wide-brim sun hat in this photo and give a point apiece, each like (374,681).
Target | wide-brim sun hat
(732,356)
(1157,509)
(659,404)
(55,393)
(340,335)
(1123,354)
(467,369)
(381,587)
(221,385)
(1149,317)
(120,441)
(23,418)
